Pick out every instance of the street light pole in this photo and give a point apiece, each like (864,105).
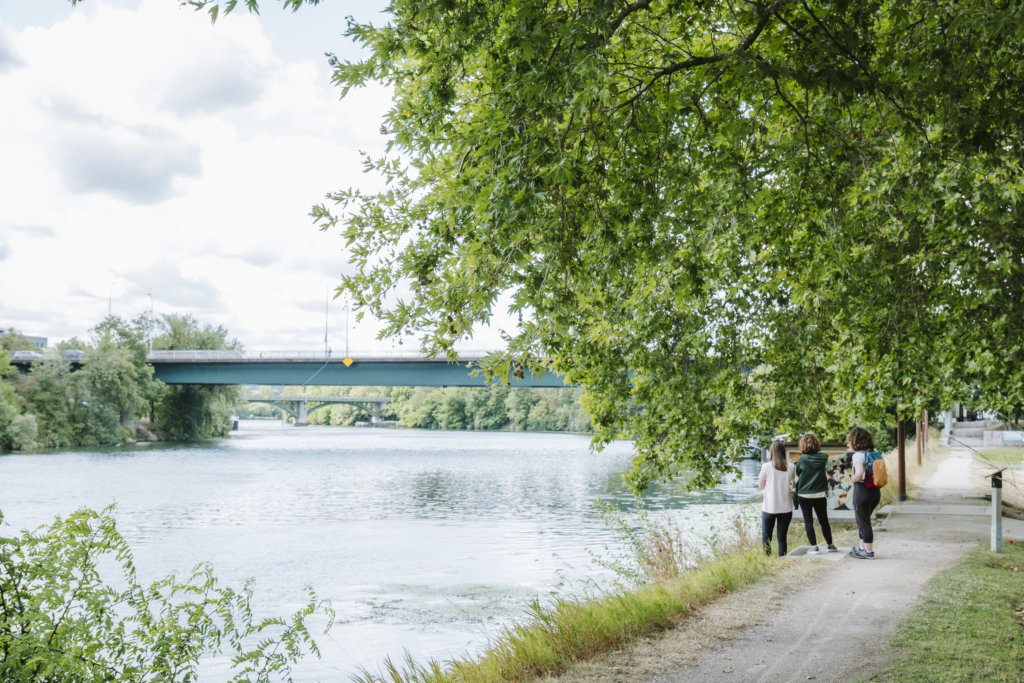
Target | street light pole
(151,322)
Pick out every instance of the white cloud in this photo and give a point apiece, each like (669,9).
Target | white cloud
(145,151)
(8,51)
(137,164)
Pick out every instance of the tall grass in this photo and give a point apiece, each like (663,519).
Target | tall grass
(682,577)
(658,549)
(914,472)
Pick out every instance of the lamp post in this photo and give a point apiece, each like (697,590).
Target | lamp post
(151,322)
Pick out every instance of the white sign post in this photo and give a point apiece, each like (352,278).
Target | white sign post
(997,512)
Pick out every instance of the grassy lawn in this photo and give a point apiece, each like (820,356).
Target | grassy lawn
(969,626)
(1013,479)
(1004,457)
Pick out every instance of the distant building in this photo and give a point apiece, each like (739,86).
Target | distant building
(39,342)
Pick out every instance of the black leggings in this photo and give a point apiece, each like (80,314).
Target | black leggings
(768,525)
(865,501)
(820,507)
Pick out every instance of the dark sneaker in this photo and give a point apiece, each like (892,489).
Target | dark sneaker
(832,548)
(862,554)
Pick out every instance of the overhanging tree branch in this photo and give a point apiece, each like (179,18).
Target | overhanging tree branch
(694,62)
(626,11)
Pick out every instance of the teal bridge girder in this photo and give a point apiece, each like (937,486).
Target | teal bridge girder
(306,368)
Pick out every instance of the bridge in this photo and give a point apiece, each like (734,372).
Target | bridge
(309,368)
(296,404)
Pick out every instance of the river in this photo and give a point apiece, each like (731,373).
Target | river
(423,540)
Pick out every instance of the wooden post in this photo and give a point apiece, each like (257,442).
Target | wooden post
(927,422)
(901,450)
(920,432)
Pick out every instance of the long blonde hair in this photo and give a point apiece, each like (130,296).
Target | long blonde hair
(778,453)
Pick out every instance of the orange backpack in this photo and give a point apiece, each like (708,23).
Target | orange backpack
(875,474)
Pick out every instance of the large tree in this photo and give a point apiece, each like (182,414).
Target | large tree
(192,412)
(743,216)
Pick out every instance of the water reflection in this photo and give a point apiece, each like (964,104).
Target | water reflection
(423,540)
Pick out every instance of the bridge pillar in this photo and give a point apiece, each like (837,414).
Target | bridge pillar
(302,419)
(375,416)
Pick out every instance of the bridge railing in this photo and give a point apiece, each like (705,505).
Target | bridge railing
(250,356)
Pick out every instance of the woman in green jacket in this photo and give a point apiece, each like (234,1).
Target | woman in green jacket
(812,490)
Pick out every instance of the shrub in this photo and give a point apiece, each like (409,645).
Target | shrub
(61,621)
(23,431)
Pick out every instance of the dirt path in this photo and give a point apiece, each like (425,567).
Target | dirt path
(836,627)
(953,479)
(818,620)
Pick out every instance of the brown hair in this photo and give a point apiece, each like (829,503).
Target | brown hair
(778,453)
(809,443)
(859,439)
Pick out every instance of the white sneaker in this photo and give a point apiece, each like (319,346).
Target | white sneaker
(814,550)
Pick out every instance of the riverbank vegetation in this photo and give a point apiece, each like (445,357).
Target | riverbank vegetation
(100,390)
(73,609)
(969,625)
(665,576)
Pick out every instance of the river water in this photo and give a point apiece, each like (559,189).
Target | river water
(423,540)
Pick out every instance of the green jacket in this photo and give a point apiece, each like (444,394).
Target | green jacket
(811,473)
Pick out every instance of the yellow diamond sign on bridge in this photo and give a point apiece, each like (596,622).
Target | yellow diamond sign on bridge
(348,361)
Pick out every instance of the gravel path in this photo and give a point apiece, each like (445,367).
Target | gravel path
(952,479)
(836,628)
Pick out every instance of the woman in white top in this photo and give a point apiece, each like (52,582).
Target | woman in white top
(775,478)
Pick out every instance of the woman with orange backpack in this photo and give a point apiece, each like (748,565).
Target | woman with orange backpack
(869,476)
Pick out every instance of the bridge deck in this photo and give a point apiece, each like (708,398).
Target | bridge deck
(294,368)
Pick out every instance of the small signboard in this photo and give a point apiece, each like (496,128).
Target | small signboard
(1013,436)
(839,472)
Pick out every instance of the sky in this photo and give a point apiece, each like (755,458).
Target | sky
(145,151)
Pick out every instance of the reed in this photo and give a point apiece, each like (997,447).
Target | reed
(569,630)
(915,473)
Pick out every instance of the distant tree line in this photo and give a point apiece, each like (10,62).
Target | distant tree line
(105,395)
(519,410)
(478,408)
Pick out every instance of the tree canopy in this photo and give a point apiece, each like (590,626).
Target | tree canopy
(744,216)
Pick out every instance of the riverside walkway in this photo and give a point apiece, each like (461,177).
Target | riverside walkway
(836,629)
(828,621)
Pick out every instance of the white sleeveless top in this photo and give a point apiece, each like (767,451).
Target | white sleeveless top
(777,497)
